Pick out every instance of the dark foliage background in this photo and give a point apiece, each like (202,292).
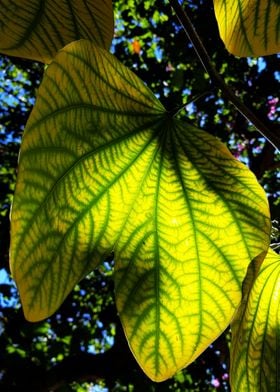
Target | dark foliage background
(83,344)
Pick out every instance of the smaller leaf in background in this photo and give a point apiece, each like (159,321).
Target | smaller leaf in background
(255,361)
(37,30)
(249,28)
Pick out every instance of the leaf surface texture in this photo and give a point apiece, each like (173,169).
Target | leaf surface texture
(249,28)
(256,332)
(103,167)
(38,29)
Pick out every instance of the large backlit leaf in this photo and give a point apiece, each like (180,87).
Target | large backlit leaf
(104,168)
(38,29)
(249,27)
(255,360)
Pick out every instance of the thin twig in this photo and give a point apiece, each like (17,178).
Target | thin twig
(177,110)
(205,60)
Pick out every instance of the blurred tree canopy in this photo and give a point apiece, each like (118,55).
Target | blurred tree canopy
(82,345)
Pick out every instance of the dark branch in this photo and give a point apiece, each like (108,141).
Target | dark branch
(272,136)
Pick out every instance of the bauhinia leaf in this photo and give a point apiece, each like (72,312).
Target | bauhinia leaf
(255,361)
(103,167)
(38,29)
(249,27)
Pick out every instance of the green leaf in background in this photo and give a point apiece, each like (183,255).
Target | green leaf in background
(38,29)
(103,167)
(249,27)
(255,360)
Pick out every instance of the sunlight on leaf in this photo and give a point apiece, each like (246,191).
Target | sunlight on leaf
(38,29)
(256,330)
(103,167)
(249,28)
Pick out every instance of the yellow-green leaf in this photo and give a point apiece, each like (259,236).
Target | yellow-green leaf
(103,167)
(249,27)
(38,29)
(255,360)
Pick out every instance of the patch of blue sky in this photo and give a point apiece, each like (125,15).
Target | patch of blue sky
(100,345)
(190,108)
(277,73)
(82,292)
(13,96)
(107,341)
(108,266)
(12,100)
(97,388)
(186,91)
(260,62)
(11,91)
(13,301)
(4,277)
(158,52)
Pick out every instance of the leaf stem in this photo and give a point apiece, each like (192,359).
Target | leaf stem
(177,110)
(272,137)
